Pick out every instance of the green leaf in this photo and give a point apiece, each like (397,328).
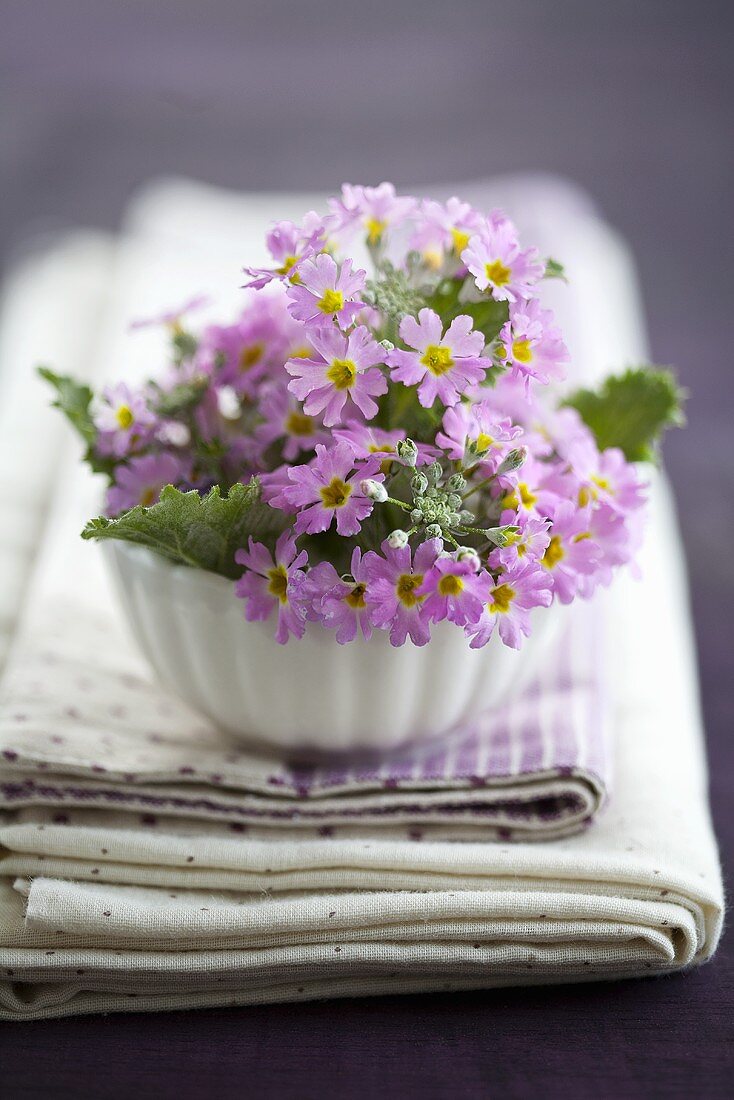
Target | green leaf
(631,410)
(554,270)
(185,345)
(182,398)
(74,399)
(400,408)
(488,315)
(189,529)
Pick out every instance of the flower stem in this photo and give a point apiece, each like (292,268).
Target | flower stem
(480,485)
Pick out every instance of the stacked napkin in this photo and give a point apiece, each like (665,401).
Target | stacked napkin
(80,734)
(149,863)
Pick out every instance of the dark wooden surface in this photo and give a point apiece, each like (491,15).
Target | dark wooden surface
(633,100)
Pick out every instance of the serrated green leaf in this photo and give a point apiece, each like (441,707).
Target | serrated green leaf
(74,399)
(631,410)
(189,529)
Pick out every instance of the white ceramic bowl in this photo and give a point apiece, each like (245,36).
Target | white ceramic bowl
(311,693)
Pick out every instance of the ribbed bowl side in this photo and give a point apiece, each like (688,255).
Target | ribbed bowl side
(311,693)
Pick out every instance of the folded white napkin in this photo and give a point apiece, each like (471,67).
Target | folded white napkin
(186,915)
(79,734)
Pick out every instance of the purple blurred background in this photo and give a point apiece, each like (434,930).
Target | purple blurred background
(632,100)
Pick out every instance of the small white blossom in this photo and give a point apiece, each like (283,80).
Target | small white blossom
(174,433)
(229,403)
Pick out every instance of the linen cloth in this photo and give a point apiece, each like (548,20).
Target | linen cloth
(638,893)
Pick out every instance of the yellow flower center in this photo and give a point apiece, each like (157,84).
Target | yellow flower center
(502,596)
(124,416)
(437,359)
(148,496)
(355,598)
(385,448)
(297,423)
(461,240)
(336,493)
(512,538)
(286,268)
(497,273)
(590,492)
(522,495)
(251,355)
(406,586)
(450,585)
(432,258)
(522,351)
(375,229)
(483,442)
(342,373)
(302,352)
(332,301)
(278,585)
(554,552)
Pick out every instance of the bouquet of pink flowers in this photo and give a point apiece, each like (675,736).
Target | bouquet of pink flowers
(374,451)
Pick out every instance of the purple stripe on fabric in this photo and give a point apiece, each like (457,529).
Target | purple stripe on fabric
(467,755)
(434,764)
(565,753)
(597,716)
(498,760)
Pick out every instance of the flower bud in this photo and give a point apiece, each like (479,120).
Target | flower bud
(373,490)
(513,460)
(387,345)
(435,472)
(499,535)
(419,483)
(469,554)
(433,531)
(407,452)
(456,483)
(454,501)
(397,539)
